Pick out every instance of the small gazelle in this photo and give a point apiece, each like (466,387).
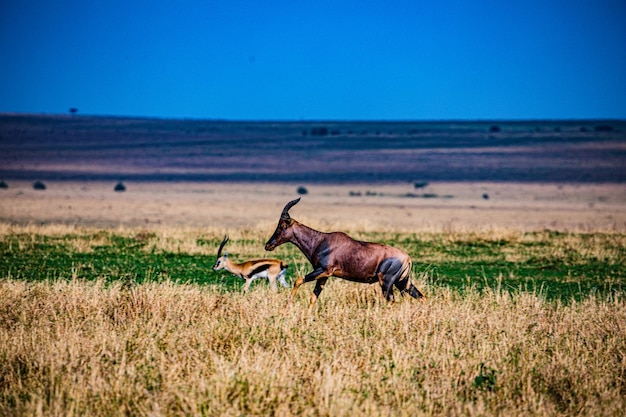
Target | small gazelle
(272,269)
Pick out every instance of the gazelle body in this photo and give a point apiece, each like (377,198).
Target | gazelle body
(337,254)
(272,269)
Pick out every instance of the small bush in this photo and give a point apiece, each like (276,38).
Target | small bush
(319,131)
(3,185)
(494,129)
(486,196)
(38,185)
(421,184)
(486,379)
(302,191)
(120,187)
(603,128)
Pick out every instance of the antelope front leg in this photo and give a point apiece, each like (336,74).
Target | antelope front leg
(296,285)
(311,276)
(319,286)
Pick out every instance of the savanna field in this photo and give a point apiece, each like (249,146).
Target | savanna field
(109,305)
(133,321)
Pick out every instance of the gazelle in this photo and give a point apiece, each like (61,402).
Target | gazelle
(272,269)
(337,254)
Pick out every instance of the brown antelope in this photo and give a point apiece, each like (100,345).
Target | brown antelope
(272,269)
(337,254)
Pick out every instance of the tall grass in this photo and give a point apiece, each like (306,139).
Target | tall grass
(87,348)
(88,341)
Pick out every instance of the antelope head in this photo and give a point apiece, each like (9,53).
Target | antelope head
(283,232)
(219,263)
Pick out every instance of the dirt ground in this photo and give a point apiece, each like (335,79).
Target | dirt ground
(236,206)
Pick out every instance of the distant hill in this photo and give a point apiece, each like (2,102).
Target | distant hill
(49,147)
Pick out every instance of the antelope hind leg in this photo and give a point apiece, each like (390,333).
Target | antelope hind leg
(387,287)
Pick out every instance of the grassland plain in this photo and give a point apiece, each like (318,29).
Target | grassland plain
(131,321)
(86,148)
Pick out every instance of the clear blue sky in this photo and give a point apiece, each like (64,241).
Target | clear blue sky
(301,60)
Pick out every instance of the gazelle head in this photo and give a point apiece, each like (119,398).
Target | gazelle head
(283,232)
(219,263)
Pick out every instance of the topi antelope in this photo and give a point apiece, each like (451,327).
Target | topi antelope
(272,269)
(337,254)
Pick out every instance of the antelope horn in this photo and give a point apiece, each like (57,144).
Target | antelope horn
(285,213)
(219,251)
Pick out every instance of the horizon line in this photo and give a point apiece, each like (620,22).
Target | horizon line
(302,120)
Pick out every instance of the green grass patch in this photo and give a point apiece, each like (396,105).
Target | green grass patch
(558,265)
(104,256)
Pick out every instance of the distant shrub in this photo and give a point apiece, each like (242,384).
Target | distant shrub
(4,185)
(302,191)
(420,184)
(120,187)
(38,185)
(425,195)
(319,131)
(486,196)
(355,193)
(495,129)
(603,128)
(73,110)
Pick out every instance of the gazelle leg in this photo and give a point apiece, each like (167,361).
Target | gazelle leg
(272,281)
(281,279)
(246,286)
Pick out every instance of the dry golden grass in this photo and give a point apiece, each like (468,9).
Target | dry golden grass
(86,348)
(82,348)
